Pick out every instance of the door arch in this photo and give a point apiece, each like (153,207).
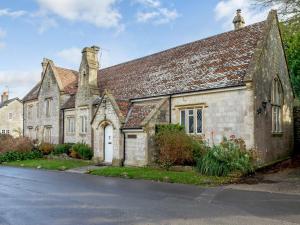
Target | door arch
(108,144)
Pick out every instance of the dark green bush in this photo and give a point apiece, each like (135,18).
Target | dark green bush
(227,157)
(14,156)
(83,151)
(62,149)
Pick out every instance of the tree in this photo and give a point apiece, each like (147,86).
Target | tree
(289,12)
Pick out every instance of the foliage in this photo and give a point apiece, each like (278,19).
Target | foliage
(62,149)
(290,29)
(175,146)
(188,177)
(9,143)
(229,156)
(15,156)
(50,164)
(46,148)
(83,151)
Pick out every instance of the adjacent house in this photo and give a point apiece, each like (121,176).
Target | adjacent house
(235,83)
(11,115)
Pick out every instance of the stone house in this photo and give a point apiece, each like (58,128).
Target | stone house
(234,83)
(11,115)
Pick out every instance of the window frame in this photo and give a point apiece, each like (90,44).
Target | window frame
(277,101)
(195,119)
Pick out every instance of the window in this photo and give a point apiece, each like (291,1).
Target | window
(71,125)
(7,131)
(48,107)
(29,112)
(30,132)
(3,131)
(191,119)
(36,133)
(37,110)
(10,115)
(83,122)
(277,102)
(47,135)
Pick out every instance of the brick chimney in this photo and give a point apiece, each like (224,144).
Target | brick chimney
(238,20)
(4,97)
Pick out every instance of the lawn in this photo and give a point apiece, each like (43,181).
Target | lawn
(146,173)
(50,164)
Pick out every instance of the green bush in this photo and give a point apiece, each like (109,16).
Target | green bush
(15,156)
(83,151)
(229,156)
(62,149)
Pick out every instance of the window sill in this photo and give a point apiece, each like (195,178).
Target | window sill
(277,134)
(82,134)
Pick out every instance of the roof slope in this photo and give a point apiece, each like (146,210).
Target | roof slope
(2,104)
(215,62)
(68,79)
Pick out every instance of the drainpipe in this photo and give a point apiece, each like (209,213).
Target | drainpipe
(170,108)
(63,126)
(124,146)
(23,120)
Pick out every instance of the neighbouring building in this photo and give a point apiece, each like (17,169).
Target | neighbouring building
(11,115)
(235,83)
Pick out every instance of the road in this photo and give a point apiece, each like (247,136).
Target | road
(36,197)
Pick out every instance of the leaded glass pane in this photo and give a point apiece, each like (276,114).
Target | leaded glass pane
(199,120)
(191,121)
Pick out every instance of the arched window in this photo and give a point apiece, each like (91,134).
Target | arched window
(277,102)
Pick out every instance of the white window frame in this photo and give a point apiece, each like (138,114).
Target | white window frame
(71,125)
(195,119)
(48,107)
(83,124)
(47,134)
(10,116)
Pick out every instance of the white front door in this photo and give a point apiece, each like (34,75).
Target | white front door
(108,154)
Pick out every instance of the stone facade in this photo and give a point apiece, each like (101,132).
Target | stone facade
(216,87)
(11,116)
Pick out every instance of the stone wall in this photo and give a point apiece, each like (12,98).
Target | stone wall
(271,64)
(297,129)
(15,123)
(225,112)
(69,137)
(136,149)
(31,125)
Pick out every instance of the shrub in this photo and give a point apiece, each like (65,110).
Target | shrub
(82,150)
(15,155)
(46,148)
(229,156)
(175,146)
(62,149)
(21,144)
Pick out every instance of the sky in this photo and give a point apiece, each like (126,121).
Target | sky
(124,30)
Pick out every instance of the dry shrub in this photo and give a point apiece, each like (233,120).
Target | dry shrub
(46,148)
(20,144)
(74,154)
(175,146)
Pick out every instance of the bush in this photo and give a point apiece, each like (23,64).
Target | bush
(229,156)
(14,156)
(46,148)
(175,146)
(62,149)
(83,151)
(20,144)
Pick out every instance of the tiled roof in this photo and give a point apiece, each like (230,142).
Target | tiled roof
(8,101)
(33,93)
(124,106)
(69,81)
(215,62)
(138,112)
(70,103)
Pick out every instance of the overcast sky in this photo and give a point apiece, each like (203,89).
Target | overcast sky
(124,29)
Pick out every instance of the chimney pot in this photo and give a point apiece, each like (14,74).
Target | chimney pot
(238,20)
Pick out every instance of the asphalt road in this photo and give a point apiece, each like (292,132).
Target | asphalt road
(35,197)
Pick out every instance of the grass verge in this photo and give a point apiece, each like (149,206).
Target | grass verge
(145,173)
(49,164)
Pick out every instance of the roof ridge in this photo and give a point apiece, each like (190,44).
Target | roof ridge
(180,46)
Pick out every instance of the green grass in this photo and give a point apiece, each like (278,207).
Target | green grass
(146,173)
(49,164)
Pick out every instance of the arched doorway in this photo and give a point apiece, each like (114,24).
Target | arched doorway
(108,143)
